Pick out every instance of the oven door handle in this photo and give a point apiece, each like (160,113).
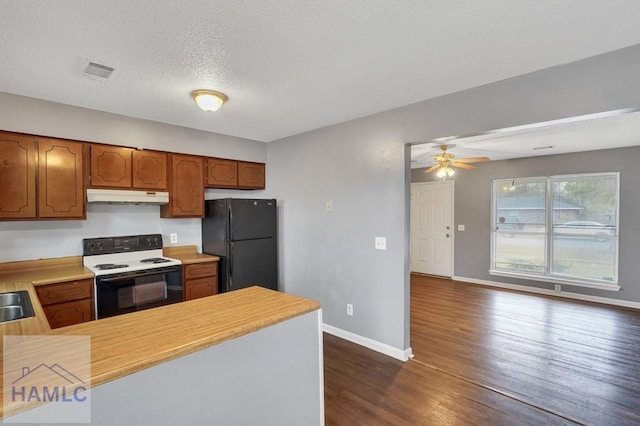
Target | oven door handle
(128,275)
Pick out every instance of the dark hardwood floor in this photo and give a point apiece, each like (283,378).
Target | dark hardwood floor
(492,357)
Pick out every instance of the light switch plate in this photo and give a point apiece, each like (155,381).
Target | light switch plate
(460,227)
(381,243)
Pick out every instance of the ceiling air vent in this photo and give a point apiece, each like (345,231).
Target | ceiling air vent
(98,71)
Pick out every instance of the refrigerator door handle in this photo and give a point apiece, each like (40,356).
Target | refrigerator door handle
(230,223)
(231,261)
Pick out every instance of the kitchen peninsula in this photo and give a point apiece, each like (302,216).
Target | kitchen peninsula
(252,356)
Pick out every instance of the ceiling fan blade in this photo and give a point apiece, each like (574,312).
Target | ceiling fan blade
(432,168)
(472,159)
(463,165)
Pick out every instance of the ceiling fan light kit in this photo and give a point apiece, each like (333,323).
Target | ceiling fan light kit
(446,161)
(209,100)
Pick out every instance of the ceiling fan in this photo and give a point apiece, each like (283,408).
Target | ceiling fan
(446,161)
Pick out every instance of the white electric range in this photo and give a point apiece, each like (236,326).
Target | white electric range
(131,274)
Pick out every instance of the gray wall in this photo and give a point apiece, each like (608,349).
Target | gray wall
(473,209)
(42,239)
(330,256)
(361,167)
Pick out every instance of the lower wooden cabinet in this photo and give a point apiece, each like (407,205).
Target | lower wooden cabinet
(67,303)
(69,313)
(200,280)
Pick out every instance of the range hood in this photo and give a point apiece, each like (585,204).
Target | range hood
(123,196)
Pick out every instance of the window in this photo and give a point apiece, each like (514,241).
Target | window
(562,229)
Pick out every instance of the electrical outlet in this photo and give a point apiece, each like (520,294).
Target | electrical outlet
(329,206)
(460,227)
(381,243)
(173,238)
(558,288)
(349,309)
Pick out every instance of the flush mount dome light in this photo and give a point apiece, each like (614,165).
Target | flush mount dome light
(209,100)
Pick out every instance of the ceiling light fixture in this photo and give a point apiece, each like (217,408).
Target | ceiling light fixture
(445,172)
(209,100)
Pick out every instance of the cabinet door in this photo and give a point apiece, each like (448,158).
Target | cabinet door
(186,187)
(68,313)
(60,179)
(251,175)
(64,292)
(201,287)
(18,156)
(110,166)
(149,170)
(222,173)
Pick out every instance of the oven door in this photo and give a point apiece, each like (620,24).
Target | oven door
(134,291)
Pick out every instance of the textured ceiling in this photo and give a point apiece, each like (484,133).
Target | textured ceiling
(289,66)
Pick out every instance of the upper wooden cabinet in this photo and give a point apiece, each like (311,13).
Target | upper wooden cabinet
(223,173)
(18,160)
(110,166)
(41,178)
(149,170)
(61,188)
(251,175)
(186,187)
(126,168)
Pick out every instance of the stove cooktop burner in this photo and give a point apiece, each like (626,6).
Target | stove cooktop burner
(155,260)
(105,266)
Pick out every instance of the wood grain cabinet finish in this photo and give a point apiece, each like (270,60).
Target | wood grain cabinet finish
(186,187)
(111,166)
(222,173)
(126,168)
(68,313)
(149,170)
(251,175)
(61,183)
(67,303)
(18,160)
(200,280)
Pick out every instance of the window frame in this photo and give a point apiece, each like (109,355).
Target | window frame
(548,275)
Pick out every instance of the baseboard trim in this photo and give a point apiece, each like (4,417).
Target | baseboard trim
(566,294)
(374,345)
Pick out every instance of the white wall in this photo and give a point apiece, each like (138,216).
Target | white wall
(42,239)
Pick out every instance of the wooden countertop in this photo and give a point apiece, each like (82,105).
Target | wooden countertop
(125,344)
(188,255)
(44,271)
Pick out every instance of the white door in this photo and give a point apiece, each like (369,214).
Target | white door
(432,227)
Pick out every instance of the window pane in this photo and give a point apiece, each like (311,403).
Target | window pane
(585,205)
(520,252)
(584,257)
(520,205)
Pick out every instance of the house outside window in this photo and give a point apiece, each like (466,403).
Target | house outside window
(561,229)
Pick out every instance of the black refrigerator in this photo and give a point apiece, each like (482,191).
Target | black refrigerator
(243,232)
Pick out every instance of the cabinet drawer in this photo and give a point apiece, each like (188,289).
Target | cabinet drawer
(64,292)
(197,270)
(69,313)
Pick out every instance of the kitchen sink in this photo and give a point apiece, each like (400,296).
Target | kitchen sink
(15,305)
